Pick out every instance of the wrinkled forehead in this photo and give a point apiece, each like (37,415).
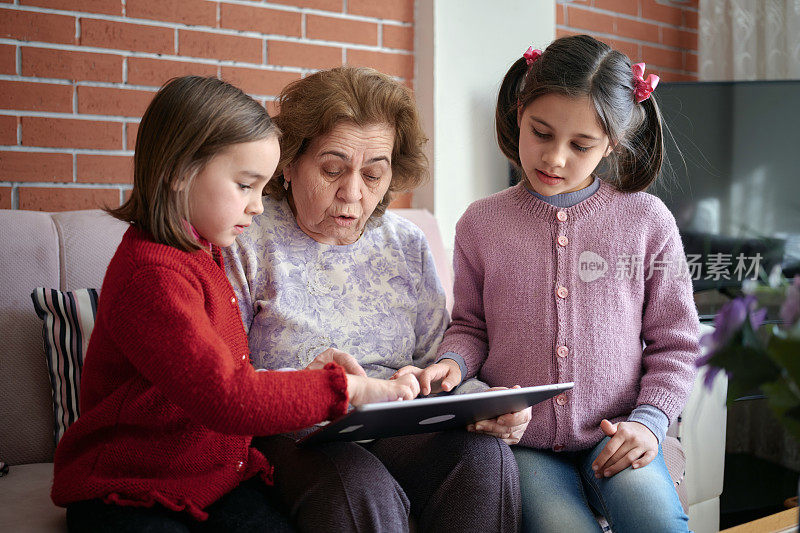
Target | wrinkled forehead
(350,141)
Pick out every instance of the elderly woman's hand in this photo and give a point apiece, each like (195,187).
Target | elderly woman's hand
(332,355)
(363,390)
(508,427)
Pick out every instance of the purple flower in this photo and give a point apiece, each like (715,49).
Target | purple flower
(711,373)
(728,321)
(790,310)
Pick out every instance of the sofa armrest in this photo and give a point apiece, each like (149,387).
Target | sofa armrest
(702,433)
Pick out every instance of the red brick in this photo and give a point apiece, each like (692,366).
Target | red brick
(561,32)
(272,107)
(260,19)
(257,81)
(66,198)
(672,76)
(35,166)
(105,168)
(678,38)
(196,12)
(335,29)
(690,19)
(401,65)
(635,29)
(124,36)
(303,55)
(587,19)
(225,47)
(31,96)
(5,197)
(131,129)
(383,9)
(660,57)
(654,11)
(8,130)
(8,59)
(561,15)
(400,37)
(71,133)
(324,5)
(112,101)
(65,64)
(628,7)
(690,63)
(106,7)
(628,48)
(29,26)
(154,72)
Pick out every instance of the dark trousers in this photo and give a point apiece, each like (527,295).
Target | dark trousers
(249,508)
(450,481)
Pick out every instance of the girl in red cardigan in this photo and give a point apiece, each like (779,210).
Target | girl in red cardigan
(169,400)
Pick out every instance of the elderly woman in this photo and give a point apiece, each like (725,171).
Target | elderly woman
(326,273)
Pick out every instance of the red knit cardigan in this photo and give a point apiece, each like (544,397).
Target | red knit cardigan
(169,401)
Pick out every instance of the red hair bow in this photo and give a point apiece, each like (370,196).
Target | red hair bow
(531,55)
(642,88)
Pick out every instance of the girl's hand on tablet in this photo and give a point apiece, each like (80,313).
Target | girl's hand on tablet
(362,389)
(508,427)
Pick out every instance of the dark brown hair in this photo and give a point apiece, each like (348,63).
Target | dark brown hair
(313,106)
(189,121)
(580,65)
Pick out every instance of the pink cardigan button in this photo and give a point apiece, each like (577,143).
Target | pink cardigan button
(562,351)
(558,447)
(562,292)
(562,216)
(561,399)
(562,240)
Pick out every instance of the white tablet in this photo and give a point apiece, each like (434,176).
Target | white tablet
(427,415)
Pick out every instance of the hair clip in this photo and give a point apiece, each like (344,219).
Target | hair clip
(531,55)
(643,88)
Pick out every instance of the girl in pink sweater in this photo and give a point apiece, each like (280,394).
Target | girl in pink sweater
(575,274)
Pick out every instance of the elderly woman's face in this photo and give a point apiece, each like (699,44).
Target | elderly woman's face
(339,180)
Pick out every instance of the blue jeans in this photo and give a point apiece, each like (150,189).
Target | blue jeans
(559,492)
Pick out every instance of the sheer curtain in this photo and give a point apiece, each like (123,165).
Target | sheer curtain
(749,39)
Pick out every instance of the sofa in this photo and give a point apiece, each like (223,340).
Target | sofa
(70,250)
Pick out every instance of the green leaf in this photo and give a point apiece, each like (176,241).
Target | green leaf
(749,368)
(750,338)
(785,352)
(785,405)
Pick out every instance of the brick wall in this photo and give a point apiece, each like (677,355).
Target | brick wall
(662,33)
(76,75)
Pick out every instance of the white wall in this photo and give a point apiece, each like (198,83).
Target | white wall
(463,48)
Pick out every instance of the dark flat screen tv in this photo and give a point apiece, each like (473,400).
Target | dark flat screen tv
(733,176)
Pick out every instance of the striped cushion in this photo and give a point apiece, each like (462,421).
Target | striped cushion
(68,321)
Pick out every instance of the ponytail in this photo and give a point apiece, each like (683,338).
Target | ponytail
(506,111)
(639,160)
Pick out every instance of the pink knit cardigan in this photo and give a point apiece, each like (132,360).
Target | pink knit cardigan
(593,293)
